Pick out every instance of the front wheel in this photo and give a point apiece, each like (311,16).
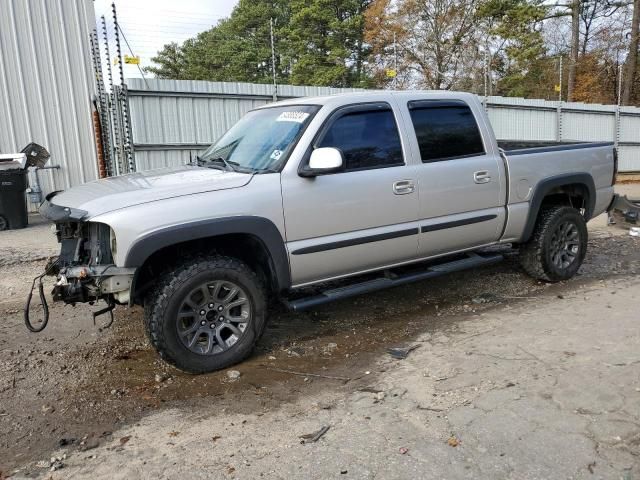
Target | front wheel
(207,314)
(557,246)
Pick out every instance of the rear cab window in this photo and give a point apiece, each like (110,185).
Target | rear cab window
(445,130)
(367,135)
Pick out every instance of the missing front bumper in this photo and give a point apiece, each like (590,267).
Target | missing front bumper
(83,284)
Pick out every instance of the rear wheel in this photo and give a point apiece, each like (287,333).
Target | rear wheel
(557,246)
(4,224)
(207,314)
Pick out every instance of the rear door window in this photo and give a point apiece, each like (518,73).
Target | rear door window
(445,130)
(367,138)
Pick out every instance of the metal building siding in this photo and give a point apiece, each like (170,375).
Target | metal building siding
(46,85)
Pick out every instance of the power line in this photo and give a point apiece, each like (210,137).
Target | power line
(133,54)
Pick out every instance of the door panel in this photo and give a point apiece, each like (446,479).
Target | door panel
(448,189)
(447,234)
(362,217)
(460,176)
(348,222)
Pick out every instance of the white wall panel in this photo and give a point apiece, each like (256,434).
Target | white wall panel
(47,86)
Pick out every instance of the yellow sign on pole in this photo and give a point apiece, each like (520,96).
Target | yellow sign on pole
(391,73)
(132,60)
(556,88)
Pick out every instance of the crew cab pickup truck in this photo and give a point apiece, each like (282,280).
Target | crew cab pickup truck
(373,189)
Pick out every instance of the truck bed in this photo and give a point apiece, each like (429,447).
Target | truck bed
(530,163)
(540,146)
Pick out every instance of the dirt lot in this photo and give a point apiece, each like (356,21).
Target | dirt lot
(511,379)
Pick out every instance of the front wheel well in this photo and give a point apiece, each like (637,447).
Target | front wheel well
(245,247)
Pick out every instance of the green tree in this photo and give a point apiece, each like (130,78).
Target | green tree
(326,43)
(514,42)
(236,49)
(317,42)
(170,62)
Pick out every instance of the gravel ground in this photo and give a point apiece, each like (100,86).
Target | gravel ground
(512,378)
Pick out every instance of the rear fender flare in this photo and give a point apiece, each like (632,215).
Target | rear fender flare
(545,186)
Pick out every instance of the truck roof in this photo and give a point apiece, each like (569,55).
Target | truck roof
(372,96)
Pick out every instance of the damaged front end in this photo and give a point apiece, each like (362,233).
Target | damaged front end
(85,268)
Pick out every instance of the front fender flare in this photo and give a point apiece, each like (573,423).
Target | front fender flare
(259,227)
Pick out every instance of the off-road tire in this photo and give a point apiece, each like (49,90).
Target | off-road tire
(163,302)
(536,254)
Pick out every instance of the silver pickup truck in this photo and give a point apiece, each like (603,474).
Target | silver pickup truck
(375,189)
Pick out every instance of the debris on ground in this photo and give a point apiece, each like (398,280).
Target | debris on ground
(305,374)
(125,439)
(329,348)
(233,374)
(370,390)
(634,231)
(400,353)
(314,437)
(89,443)
(161,377)
(55,463)
(485,297)
(591,466)
(403,450)
(453,441)
(295,351)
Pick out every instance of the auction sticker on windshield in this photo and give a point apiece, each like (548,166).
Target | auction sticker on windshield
(297,117)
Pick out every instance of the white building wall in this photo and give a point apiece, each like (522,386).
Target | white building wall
(47,86)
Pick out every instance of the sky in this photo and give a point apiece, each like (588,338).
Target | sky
(149,24)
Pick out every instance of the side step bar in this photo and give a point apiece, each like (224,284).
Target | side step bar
(391,280)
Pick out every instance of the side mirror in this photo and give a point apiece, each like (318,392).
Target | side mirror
(322,161)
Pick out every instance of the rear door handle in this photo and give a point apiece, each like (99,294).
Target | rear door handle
(403,187)
(482,176)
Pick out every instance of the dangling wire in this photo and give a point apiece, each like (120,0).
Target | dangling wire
(43,301)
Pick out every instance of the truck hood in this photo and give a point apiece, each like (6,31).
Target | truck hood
(109,194)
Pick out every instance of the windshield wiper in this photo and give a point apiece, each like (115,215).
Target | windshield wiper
(213,162)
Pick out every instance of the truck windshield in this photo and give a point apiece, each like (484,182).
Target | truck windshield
(261,140)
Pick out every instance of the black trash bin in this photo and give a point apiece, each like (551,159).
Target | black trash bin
(13,185)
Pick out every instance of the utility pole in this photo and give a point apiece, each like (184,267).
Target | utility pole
(632,55)
(395,62)
(575,43)
(273,62)
(560,79)
(620,70)
(486,73)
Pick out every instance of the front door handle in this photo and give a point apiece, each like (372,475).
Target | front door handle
(403,187)
(481,176)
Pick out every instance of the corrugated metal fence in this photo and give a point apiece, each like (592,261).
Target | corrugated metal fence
(173,120)
(47,87)
(520,119)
